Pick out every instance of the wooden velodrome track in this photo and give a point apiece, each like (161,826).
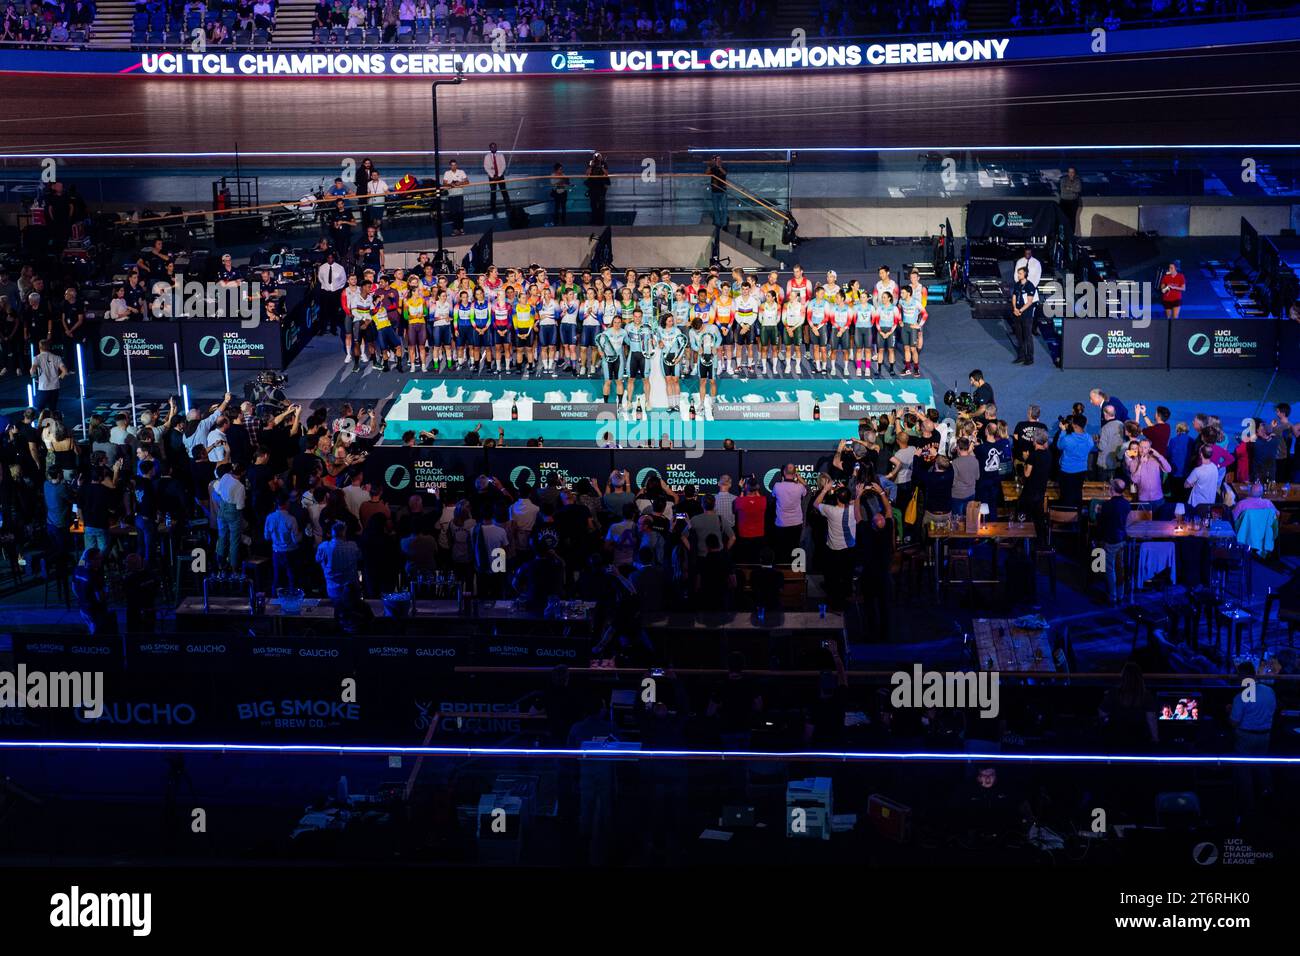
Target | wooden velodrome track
(1245,95)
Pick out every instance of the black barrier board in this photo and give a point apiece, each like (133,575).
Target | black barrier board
(255,348)
(1109,344)
(403,471)
(532,465)
(678,468)
(152,346)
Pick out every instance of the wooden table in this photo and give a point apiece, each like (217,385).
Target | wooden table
(992,531)
(1092,490)
(1281,494)
(1140,531)
(1011,648)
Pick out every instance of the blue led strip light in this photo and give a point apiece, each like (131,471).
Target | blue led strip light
(847,756)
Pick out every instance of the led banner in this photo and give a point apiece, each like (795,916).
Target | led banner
(549,60)
(1223,343)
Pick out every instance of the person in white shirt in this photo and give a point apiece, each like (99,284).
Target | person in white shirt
(494,164)
(48,371)
(331,280)
(1203,480)
(376,189)
(842,516)
(118,310)
(1033,268)
(789,491)
(228,498)
(454,180)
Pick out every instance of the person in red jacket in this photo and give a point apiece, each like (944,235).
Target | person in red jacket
(1172,286)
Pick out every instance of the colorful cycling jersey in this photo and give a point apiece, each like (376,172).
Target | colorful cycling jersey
(638,338)
(627,308)
(491,288)
(801,287)
(921,294)
(672,343)
(886,318)
(914,314)
(501,310)
(393,304)
(818,312)
(864,312)
(607,313)
(465,314)
(482,316)
(351,296)
(442,312)
(363,308)
(724,311)
(610,343)
(569,313)
(547,312)
(793,315)
(773,287)
(747,309)
(381,316)
(883,286)
(681,312)
(415,309)
(842,315)
(591,312)
(647,304)
(525,315)
(703,310)
(769,315)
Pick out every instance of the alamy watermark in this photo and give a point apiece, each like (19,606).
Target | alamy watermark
(946,689)
(83,690)
(203,300)
(1108,299)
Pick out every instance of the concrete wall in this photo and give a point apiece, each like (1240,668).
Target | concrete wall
(571,247)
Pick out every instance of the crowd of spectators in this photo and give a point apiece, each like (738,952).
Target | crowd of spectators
(536,22)
(1113,14)
(47,21)
(222,21)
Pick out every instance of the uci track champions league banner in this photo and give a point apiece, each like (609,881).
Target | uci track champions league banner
(550,60)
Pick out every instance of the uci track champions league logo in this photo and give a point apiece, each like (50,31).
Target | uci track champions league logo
(424,474)
(1117,343)
(1225,342)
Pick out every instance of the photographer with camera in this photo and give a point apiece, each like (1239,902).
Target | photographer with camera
(842,513)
